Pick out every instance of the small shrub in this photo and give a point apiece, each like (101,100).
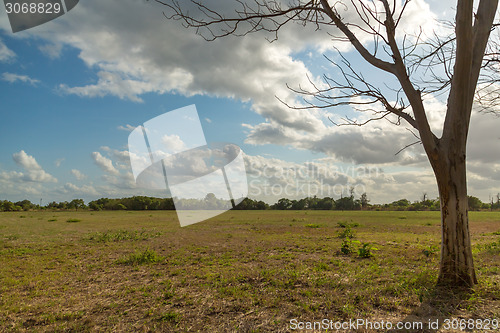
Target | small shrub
(496,232)
(343,224)
(52,220)
(365,250)
(312,225)
(347,246)
(346,233)
(141,257)
(73,220)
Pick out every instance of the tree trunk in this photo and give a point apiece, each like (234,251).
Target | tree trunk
(456,267)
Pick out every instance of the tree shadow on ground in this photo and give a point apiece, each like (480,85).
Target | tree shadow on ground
(442,303)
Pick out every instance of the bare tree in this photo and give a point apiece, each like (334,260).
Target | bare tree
(440,64)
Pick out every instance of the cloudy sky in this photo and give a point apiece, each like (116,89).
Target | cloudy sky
(73,89)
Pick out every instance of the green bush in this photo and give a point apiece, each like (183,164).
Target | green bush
(365,250)
(346,233)
(343,224)
(347,246)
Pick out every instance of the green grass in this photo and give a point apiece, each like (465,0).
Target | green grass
(121,235)
(242,271)
(147,256)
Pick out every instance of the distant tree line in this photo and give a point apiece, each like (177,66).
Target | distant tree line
(211,202)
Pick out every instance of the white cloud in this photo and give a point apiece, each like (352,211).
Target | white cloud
(53,51)
(11,77)
(85,190)
(271,179)
(112,83)
(6,54)
(78,174)
(120,157)
(104,163)
(33,171)
(208,120)
(124,181)
(26,161)
(172,143)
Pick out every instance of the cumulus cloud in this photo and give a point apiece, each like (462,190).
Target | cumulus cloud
(173,143)
(104,163)
(85,190)
(130,65)
(33,172)
(120,157)
(26,161)
(271,179)
(78,174)
(11,77)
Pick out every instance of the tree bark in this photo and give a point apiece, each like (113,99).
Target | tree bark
(456,267)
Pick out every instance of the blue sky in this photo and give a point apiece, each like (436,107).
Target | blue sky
(72,89)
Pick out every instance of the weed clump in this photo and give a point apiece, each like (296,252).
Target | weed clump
(431,250)
(365,250)
(121,235)
(169,317)
(147,256)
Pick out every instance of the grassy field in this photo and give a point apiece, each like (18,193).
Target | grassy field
(243,271)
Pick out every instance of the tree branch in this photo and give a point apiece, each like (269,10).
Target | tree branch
(383,65)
